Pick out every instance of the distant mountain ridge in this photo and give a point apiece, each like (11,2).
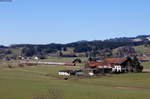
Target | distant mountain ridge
(84,47)
(139,38)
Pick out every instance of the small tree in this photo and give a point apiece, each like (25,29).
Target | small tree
(136,64)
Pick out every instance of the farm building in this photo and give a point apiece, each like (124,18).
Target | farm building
(115,65)
(143,59)
(65,72)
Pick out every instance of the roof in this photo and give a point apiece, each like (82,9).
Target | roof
(143,58)
(115,60)
(107,62)
(95,64)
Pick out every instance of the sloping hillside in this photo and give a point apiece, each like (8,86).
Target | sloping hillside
(142,49)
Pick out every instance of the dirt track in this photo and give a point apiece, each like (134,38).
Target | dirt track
(130,87)
(146,70)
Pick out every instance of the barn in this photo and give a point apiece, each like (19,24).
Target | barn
(116,65)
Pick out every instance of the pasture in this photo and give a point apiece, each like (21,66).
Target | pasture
(34,82)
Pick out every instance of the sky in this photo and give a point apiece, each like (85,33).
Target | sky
(65,21)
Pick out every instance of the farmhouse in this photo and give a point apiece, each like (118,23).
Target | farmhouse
(115,65)
(120,64)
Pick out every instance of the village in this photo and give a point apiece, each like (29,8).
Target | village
(95,67)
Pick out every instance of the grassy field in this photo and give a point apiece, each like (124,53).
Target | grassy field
(146,65)
(142,49)
(35,81)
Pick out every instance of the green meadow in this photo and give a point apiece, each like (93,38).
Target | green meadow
(37,82)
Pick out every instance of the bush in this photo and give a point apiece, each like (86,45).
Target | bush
(9,66)
(21,65)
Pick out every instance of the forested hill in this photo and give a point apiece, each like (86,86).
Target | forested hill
(84,46)
(79,47)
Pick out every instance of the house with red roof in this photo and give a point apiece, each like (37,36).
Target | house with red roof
(116,65)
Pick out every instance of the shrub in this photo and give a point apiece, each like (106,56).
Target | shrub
(10,66)
(21,65)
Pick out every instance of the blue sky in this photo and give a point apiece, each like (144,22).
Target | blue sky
(63,21)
